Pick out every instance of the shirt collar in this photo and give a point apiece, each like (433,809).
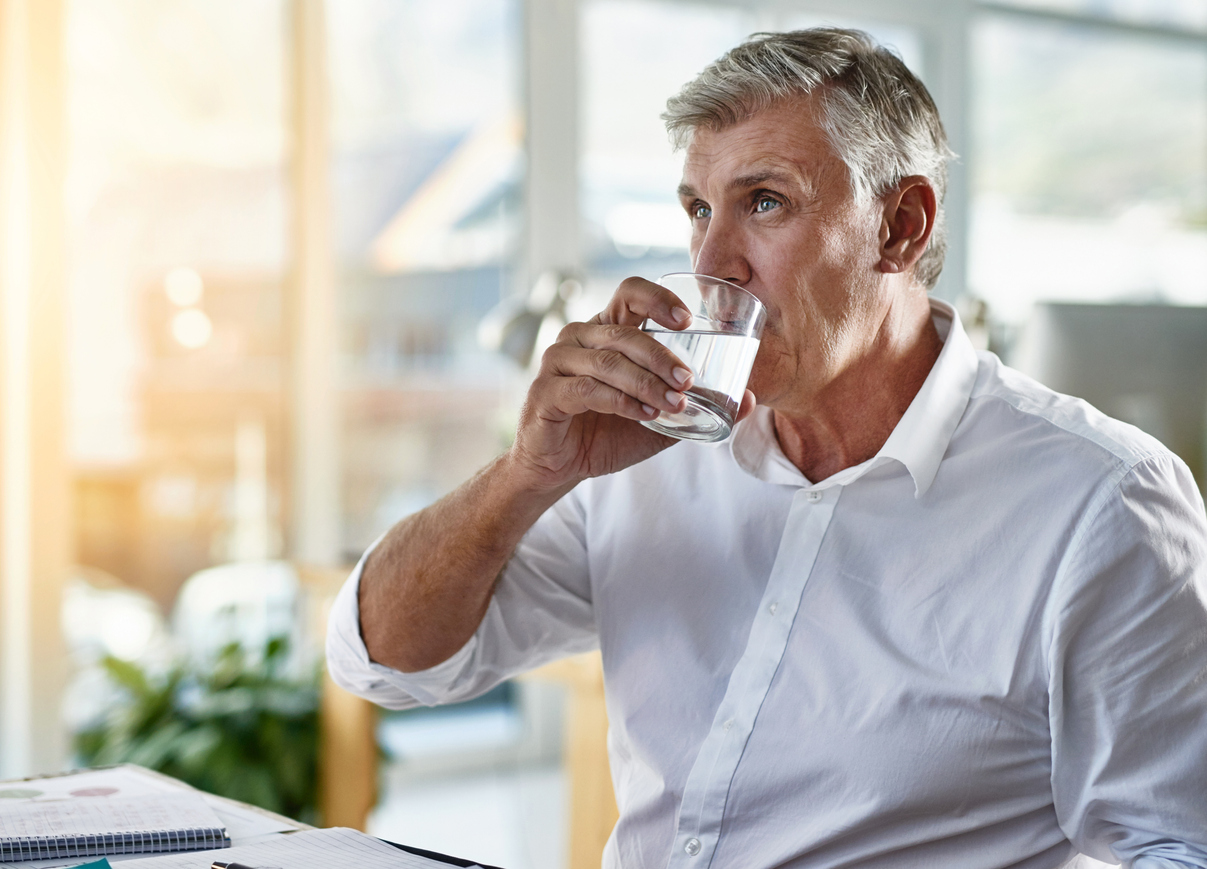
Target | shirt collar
(920,438)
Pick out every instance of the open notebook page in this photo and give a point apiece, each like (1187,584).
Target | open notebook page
(126,780)
(73,818)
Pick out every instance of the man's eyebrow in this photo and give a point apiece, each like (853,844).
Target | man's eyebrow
(743,182)
(754,179)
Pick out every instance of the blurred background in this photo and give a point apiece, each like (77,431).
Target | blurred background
(272,275)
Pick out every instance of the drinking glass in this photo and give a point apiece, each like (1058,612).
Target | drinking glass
(718,346)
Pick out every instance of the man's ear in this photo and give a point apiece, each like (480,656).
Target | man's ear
(908,220)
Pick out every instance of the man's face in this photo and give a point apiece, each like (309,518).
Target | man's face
(772,210)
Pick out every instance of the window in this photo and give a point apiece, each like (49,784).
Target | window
(427,171)
(177,229)
(1179,13)
(1089,164)
(633,223)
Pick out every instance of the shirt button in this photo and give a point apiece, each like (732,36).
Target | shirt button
(771,609)
(692,847)
(813,497)
(728,724)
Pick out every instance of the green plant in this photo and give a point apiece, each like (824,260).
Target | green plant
(239,728)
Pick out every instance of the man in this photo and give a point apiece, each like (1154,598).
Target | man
(917,611)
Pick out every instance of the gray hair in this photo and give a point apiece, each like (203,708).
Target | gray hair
(878,116)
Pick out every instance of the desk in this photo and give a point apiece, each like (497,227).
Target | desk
(246,826)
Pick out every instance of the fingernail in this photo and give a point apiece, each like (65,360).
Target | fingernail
(673,397)
(681,315)
(681,375)
(648,409)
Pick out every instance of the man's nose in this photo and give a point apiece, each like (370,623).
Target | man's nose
(722,254)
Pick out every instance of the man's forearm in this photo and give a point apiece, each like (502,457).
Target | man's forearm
(427,585)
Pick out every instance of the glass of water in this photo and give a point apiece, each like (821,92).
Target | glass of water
(718,346)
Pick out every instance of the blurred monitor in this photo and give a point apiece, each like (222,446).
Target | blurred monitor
(1143,364)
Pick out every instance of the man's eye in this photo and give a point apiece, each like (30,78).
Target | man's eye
(700,211)
(766,203)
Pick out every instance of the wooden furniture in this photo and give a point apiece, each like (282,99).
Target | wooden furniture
(348,724)
(593,811)
(347,759)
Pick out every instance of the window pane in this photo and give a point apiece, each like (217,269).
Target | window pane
(1178,13)
(176,193)
(427,169)
(1090,168)
(632,221)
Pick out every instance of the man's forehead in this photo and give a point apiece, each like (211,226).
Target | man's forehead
(754,163)
(783,142)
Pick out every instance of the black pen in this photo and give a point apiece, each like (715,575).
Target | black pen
(219,864)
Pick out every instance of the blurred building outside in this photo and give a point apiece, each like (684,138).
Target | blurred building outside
(446,155)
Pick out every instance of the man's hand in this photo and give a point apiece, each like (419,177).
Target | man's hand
(595,385)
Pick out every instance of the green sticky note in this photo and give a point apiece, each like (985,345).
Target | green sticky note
(19,793)
(102,863)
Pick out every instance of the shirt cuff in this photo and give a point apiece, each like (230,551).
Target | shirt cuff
(350,667)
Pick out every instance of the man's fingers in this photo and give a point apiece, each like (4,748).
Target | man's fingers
(632,344)
(637,299)
(615,369)
(609,366)
(570,396)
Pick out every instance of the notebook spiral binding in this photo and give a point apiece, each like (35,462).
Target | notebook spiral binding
(21,849)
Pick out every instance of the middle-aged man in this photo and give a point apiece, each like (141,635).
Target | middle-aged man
(917,611)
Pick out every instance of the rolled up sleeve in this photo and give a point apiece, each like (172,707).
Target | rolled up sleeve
(540,611)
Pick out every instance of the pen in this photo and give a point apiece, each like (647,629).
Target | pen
(220,864)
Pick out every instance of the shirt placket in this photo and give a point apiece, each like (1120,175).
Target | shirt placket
(707,788)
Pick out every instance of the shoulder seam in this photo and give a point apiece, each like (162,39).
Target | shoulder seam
(1126,456)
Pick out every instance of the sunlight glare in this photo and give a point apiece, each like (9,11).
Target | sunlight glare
(183,286)
(192,328)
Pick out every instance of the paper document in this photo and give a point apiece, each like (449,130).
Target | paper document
(125,781)
(246,824)
(334,848)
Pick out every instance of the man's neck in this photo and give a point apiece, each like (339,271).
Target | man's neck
(850,419)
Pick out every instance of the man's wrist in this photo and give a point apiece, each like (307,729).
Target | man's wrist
(529,483)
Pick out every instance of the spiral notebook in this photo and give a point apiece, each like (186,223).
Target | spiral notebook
(96,821)
(330,848)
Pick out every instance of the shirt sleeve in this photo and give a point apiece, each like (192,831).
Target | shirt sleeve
(540,611)
(1128,673)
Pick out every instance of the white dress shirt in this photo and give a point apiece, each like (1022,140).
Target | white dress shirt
(984,647)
